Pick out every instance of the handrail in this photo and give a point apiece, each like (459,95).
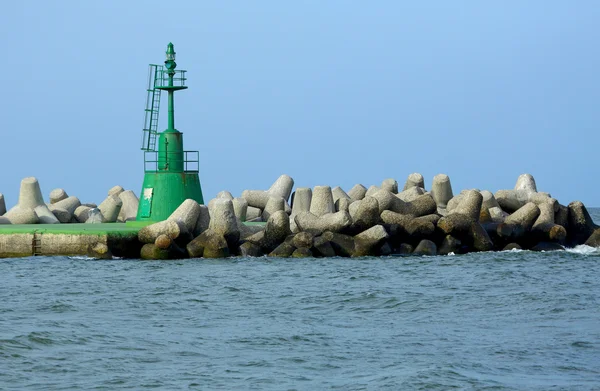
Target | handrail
(162,79)
(190,160)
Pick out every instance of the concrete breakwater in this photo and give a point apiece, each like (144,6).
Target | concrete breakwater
(374,221)
(119,206)
(66,226)
(323,222)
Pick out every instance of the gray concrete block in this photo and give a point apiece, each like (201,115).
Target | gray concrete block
(322,201)
(357,192)
(527,183)
(44,215)
(539,198)
(276,230)
(581,225)
(115,191)
(4,220)
(253,213)
(30,194)
(405,249)
(129,207)
(441,190)
(594,239)
(470,204)
(256,198)
(524,216)
(149,233)
(302,200)
(342,204)
(548,232)
(390,185)
(63,215)
(338,193)
(510,200)
(456,224)
(188,213)
(432,218)
(391,217)
(20,215)
(479,238)
(303,240)
(454,202)
(322,247)
(163,241)
(334,222)
(282,187)
(248,230)
(94,217)
(57,195)
(2,205)
(275,203)
(372,190)
(240,208)
(203,220)
(353,208)
(369,241)
(82,213)
(410,194)
(110,208)
(343,245)
(284,250)
(488,200)
(302,253)
(69,204)
(150,251)
(561,216)
(389,201)
(449,245)
(546,213)
(225,195)
(425,247)
(497,215)
(420,206)
(414,180)
(209,244)
(248,249)
(224,222)
(367,213)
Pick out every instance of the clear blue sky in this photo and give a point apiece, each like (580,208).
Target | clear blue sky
(329,92)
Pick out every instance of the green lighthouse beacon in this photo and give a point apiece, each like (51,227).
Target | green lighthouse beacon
(171,173)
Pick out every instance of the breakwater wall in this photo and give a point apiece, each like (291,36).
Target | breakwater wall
(312,222)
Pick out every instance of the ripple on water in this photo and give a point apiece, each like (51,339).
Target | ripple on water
(497,321)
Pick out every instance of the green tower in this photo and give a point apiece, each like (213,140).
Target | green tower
(171,173)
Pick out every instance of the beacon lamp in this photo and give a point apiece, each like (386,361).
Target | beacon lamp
(170,63)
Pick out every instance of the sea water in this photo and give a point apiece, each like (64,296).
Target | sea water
(516,320)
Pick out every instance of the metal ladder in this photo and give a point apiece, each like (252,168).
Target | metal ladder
(36,244)
(150,130)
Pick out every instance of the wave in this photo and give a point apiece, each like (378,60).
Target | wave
(584,250)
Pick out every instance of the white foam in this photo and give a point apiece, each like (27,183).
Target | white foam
(583,249)
(513,250)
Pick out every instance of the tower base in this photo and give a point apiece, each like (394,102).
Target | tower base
(163,192)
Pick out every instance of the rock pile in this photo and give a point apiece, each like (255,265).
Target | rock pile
(119,206)
(324,221)
(380,220)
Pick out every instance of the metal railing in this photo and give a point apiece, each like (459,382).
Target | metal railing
(162,78)
(190,160)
